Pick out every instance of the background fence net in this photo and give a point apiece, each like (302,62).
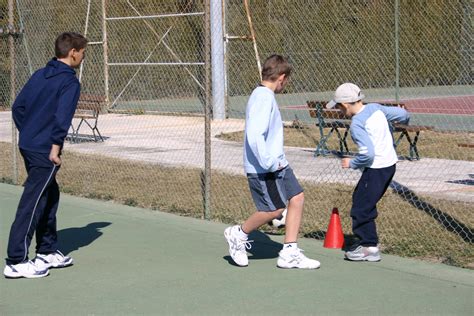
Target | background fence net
(146,68)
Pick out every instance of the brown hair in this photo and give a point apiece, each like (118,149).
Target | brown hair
(275,66)
(67,41)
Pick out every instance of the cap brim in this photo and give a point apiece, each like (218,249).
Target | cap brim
(331,104)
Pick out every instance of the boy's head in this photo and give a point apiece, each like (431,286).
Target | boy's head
(276,70)
(69,48)
(347,98)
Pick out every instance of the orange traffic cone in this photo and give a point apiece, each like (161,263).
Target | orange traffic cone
(334,236)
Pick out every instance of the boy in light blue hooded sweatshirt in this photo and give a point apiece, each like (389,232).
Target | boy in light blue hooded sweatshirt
(272,183)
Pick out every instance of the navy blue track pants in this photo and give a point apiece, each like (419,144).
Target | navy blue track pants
(369,190)
(37,209)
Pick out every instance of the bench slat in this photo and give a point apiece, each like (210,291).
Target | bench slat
(466,145)
(412,128)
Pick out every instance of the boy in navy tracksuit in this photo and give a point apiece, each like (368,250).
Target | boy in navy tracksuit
(376,157)
(43,112)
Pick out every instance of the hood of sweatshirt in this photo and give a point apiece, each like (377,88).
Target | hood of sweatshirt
(55,67)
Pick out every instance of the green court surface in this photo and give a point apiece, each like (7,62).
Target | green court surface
(131,261)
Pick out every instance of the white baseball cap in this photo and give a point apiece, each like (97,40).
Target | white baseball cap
(346,93)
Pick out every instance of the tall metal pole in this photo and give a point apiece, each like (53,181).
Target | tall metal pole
(207,112)
(11,43)
(25,42)
(106,52)
(217,60)
(397,51)
(226,56)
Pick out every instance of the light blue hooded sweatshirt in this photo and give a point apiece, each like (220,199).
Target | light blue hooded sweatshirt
(263,143)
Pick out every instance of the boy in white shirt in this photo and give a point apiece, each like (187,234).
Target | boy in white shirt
(376,158)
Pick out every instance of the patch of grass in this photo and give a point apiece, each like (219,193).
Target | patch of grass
(404,229)
(6,180)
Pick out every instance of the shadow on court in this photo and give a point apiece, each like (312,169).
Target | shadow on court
(71,239)
(350,240)
(449,222)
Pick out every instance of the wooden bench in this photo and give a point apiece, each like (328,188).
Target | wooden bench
(88,109)
(339,124)
(405,131)
(333,119)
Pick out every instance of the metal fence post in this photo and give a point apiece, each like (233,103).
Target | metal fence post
(207,115)
(217,51)
(11,43)
(105,52)
(397,50)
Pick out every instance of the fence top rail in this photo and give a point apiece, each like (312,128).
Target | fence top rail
(158,16)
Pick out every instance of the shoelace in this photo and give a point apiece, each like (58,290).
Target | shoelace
(298,255)
(58,256)
(245,243)
(60,253)
(359,251)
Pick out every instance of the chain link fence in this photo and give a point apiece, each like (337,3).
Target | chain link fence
(147,62)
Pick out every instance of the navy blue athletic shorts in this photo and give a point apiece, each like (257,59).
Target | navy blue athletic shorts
(272,191)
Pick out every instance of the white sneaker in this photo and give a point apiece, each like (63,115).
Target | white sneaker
(25,269)
(237,247)
(294,258)
(52,260)
(361,253)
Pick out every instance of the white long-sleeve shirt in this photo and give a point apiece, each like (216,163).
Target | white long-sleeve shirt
(371,133)
(263,143)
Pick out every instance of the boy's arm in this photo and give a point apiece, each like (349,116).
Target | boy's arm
(18,109)
(66,107)
(396,114)
(366,154)
(257,123)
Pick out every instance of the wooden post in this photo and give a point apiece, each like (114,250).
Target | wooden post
(254,38)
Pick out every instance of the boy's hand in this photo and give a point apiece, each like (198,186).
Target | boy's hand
(54,155)
(345,162)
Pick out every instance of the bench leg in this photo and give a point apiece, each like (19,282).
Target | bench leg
(339,137)
(75,133)
(344,149)
(98,133)
(322,148)
(413,149)
(399,139)
(72,134)
(95,130)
